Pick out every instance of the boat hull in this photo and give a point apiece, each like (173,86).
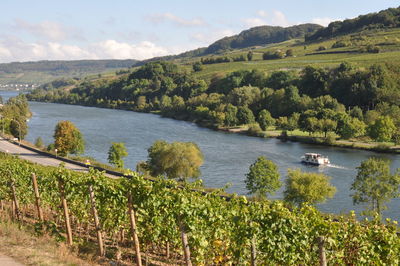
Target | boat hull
(314,163)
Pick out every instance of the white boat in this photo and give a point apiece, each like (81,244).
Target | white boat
(315,159)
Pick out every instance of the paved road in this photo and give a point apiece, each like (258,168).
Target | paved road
(7,261)
(23,153)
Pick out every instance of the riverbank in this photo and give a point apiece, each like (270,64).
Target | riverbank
(294,136)
(317,140)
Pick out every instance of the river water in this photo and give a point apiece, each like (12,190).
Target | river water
(227,156)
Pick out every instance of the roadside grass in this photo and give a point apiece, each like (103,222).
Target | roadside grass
(21,243)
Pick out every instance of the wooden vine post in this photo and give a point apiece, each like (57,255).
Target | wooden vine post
(321,248)
(253,251)
(66,211)
(185,244)
(167,252)
(134,230)
(16,209)
(37,197)
(96,222)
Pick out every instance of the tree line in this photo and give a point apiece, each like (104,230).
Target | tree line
(345,100)
(14,115)
(389,18)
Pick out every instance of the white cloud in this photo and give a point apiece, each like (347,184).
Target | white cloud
(120,50)
(47,30)
(159,18)
(254,22)
(323,21)
(279,19)
(262,13)
(273,18)
(210,37)
(17,50)
(14,49)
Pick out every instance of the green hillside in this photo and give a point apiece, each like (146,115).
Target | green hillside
(357,48)
(44,71)
(261,35)
(389,18)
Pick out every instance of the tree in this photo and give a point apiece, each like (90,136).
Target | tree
(180,160)
(116,153)
(327,125)
(307,187)
(39,143)
(265,119)
(351,127)
(289,52)
(245,115)
(375,185)
(310,125)
(68,139)
(263,177)
(197,66)
(18,128)
(250,55)
(382,129)
(16,112)
(357,112)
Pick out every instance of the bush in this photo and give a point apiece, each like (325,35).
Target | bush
(273,55)
(373,49)
(330,138)
(39,143)
(339,44)
(289,52)
(321,48)
(239,58)
(382,147)
(283,135)
(198,66)
(254,130)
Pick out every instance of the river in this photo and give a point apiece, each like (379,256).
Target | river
(227,156)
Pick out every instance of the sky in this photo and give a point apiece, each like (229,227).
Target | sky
(129,29)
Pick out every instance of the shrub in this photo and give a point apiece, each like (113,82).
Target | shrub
(198,66)
(273,55)
(254,130)
(339,44)
(372,49)
(382,147)
(330,138)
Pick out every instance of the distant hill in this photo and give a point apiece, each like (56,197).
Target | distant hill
(261,35)
(257,36)
(44,71)
(389,18)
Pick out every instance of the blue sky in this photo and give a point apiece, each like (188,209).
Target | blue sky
(121,29)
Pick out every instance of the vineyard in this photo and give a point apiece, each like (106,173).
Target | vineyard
(128,218)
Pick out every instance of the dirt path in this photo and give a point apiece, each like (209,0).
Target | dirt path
(7,261)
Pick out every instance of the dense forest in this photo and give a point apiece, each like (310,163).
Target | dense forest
(348,101)
(389,18)
(261,35)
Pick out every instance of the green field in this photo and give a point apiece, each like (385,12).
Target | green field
(306,54)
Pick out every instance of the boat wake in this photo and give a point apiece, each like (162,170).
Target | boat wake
(337,166)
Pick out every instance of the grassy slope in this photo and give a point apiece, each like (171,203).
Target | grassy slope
(307,54)
(20,243)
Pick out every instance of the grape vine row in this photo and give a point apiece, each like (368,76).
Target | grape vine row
(217,231)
